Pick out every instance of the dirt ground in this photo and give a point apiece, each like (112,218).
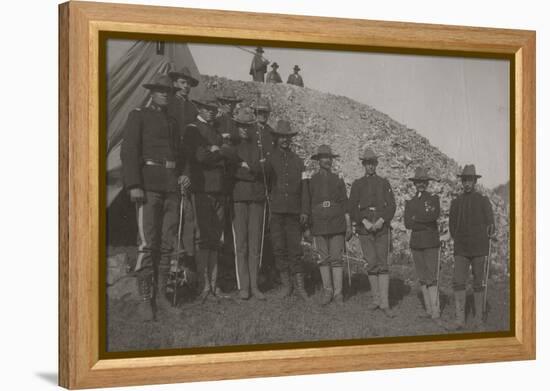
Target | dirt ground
(228,322)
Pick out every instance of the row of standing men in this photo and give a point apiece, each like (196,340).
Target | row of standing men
(258,70)
(195,158)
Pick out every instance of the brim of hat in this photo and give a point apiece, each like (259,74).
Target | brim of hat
(176,75)
(421,179)
(160,87)
(283,134)
(244,123)
(214,105)
(232,100)
(469,175)
(318,156)
(261,108)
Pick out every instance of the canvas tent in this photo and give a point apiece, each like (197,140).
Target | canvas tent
(129,65)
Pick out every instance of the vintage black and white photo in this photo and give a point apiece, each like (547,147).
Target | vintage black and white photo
(267,195)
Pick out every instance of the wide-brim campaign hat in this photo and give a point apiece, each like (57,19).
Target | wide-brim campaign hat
(261,104)
(259,49)
(184,73)
(323,151)
(368,155)
(207,99)
(245,116)
(421,174)
(284,128)
(274,65)
(229,95)
(162,83)
(469,171)
(296,68)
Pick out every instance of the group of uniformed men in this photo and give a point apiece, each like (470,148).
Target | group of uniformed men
(187,162)
(258,70)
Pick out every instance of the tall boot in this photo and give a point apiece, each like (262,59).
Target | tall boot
(427,302)
(146,307)
(434,298)
(165,285)
(286,285)
(375,291)
(337,280)
(478,301)
(202,269)
(327,284)
(460,307)
(300,286)
(253,269)
(384,286)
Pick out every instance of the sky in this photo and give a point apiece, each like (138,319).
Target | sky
(460,104)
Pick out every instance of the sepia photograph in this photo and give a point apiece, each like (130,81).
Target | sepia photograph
(264,196)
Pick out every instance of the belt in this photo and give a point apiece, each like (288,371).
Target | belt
(160,163)
(327,204)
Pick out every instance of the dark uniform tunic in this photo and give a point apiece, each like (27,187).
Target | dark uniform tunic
(151,161)
(184,111)
(273,77)
(421,214)
(327,204)
(470,217)
(285,169)
(371,197)
(295,79)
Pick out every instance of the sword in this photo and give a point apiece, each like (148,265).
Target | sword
(347,259)
(175,271)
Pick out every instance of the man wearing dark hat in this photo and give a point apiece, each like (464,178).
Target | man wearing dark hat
(258,67)
(185,112)
(421,214)
(208,155)
(326,204)
(273,76)
(295,78)
(285,170)
(224,123)
(262,110)
(372,207)
(152,172)
(249,203)
(471,226)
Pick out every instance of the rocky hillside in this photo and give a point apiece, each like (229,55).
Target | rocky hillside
(349,126)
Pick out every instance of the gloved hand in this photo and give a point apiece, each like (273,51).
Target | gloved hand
(378,224)
(184,182)
(367,224)
(349,233)
(137,195)
(303,219)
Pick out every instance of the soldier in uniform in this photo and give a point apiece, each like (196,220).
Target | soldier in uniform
(421,214)
(152,169)
(228,100)
(471,226)
(258,67)
(326,204)
(262,110)
(183,109)
(285,171)
(208,155)
(295,78)
(273,76)
(372,207)
(249,202)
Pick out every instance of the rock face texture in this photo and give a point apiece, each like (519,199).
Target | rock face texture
(349,126)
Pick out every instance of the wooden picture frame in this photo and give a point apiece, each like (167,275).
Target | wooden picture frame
(80,167)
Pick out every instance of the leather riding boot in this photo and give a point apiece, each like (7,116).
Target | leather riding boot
(375,292)
(165,285)
(337,280)
(384,286)
(202,268)
(434,298)
(460,308)
(286,285)
(300,286)
(328,292)
(146,307)
(254,284)
(478,301)
(427,302)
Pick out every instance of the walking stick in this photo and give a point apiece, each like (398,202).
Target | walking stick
(438,273)
(266,204)
(486,279)
(174,269)
(347,259)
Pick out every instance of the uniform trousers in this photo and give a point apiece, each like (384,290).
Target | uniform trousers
(286,236)
(425,263)
(210,217)
(157,218)
(376,247)
(247,233)
(329,248)
(462,269)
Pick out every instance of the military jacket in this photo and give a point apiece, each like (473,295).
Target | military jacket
(421,214)
(326,203)
(295,79)
(470,217)
(184,111)
(273,77)
(284,170)
(371,197)
(258,68)
(207,169)
(150,134)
